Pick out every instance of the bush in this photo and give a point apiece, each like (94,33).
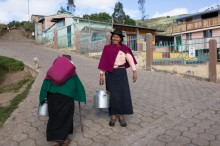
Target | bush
(10,64)
(28,26)
(14,24)
(3,28)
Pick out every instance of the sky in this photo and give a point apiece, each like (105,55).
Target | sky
(18,10)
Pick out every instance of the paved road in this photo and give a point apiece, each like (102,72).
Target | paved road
(168,110)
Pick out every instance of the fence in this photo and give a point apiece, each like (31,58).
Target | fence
(90,39)
(63,37)
(94,41)
(48,36)
(90,42)
(207,71)
(194,51)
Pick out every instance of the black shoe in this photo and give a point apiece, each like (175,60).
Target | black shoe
(112,122)
(122,122)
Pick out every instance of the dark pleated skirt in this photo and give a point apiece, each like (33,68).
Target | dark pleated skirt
(120,97)
(61,111)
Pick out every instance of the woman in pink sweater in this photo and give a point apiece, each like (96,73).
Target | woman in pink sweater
(116,57)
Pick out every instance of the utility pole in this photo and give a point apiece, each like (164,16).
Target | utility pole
(112,22)
(28,12)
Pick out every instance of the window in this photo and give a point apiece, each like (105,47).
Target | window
(189,36)
(218,54)
(207,33)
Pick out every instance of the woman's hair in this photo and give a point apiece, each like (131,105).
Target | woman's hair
(119,36)
(67,56)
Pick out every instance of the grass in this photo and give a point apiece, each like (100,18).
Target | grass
(15,87)
(7,65)
(10,64)
(2,74)
(5,112)
(160,23)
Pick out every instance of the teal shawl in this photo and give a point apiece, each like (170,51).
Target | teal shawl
(72,88)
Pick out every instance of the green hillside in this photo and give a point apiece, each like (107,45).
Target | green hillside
(160,23)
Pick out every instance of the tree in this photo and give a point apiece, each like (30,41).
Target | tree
(14,24)
(71,6)
(63,10)
(141,8)
(129,21)
(86,16)
(98,17)
(119,14)
(120,17)
(28,26)
(105,17)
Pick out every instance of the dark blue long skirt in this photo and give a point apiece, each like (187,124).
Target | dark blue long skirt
(120,96)
(61,112)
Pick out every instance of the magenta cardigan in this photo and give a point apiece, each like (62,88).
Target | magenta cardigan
(109,55)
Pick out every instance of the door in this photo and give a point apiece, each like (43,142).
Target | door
(69,36)
(178,43)
(132,42)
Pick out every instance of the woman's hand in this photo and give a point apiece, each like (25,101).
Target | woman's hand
(134,76)
(101,79)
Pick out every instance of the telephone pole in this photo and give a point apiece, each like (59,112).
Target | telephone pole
(28,12)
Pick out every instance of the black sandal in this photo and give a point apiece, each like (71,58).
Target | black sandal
(122,122)
(112,122)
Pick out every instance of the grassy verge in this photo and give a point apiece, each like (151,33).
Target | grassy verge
(8,65)
(5,112)
(15,87)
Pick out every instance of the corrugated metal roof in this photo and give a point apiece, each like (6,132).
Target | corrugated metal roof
(135,26)
(199,13)
(95,28)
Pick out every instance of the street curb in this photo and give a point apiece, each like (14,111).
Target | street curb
(29,68)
